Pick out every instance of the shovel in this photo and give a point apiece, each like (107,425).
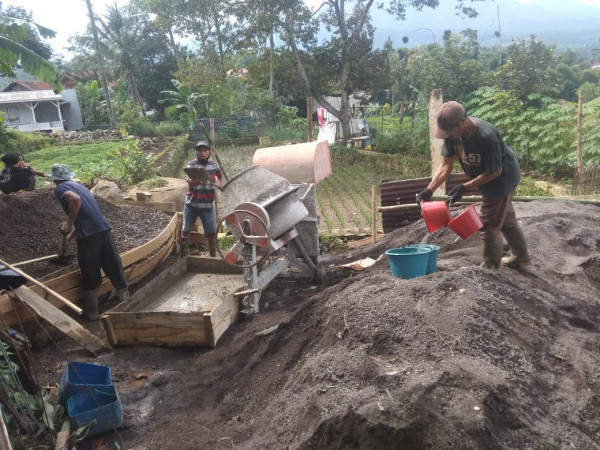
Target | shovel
(200,174)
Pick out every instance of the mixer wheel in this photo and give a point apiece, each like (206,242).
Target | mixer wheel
(250,230)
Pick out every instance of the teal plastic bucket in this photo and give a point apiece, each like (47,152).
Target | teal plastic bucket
(407,262)
(432,256)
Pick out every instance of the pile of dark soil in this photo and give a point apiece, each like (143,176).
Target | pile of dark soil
(30,220)
(462,358)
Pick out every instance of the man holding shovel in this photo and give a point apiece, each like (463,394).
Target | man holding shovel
(96,249)
(491,166)
(200,198)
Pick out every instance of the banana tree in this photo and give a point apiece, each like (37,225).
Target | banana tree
(184,101)
(13,54)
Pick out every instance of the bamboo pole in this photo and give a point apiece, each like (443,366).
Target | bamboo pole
(469,200)
(374,213)
(579,144)
(55,294)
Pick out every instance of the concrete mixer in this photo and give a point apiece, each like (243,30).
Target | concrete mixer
(273,218)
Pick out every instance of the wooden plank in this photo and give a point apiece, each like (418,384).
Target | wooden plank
(222,317)
(146,249)
(158,328)
(61,321)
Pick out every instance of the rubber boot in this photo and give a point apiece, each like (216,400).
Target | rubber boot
(519,255)
(123,294)
(90,304)
(492,254)
(184,247)
(212,244)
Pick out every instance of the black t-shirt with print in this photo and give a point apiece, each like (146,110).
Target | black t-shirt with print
(485,151)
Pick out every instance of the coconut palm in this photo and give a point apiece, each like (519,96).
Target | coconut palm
(13,54)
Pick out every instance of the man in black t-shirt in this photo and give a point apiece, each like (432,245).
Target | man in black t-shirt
(492,167)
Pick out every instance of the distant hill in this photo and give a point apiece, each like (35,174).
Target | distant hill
(564,23)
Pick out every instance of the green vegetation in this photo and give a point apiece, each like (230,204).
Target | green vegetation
(332,243)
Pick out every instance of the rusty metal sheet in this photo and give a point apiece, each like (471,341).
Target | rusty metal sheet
(402,192)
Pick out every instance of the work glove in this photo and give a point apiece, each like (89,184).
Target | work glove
(424,195)
(456,193)
(65,228)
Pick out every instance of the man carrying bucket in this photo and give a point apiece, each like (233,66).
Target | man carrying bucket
(493,168)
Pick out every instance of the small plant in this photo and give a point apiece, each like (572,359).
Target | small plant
(226,242)
(152,183)
(332,243)
(130,163)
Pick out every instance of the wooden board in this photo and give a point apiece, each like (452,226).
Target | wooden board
(61,321)
(139,320)
(156,328)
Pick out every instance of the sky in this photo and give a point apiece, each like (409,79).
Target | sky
(68,17)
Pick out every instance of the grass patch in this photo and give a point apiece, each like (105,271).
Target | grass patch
(534,188)
(88,161)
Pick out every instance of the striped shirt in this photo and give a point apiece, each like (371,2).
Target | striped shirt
(203,195)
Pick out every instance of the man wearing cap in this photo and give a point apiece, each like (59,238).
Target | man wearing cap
(17,175)
(96,249)
(493,168)
(200,198)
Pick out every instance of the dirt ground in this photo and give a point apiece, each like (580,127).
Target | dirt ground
(462,358)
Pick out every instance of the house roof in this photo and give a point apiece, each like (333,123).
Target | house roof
(29,96)
(27,85)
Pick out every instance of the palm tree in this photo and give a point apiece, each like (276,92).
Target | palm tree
(13,54)
(184,100)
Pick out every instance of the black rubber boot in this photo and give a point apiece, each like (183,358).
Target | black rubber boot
(90,304)
(492,254)
(212,244)
(519,255)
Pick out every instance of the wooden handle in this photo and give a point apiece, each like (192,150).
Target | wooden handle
(56,295)
(43,258)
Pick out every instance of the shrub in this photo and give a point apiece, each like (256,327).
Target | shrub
(130,163)
(170,129)
(230,129)
(141,127)
(19,142)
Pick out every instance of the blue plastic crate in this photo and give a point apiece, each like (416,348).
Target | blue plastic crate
(80,377)
(101,405)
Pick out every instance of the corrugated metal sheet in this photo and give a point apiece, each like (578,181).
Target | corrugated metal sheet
(28,96)
(403,192)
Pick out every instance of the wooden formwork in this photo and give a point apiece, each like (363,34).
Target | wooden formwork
(139,321)
(137,263)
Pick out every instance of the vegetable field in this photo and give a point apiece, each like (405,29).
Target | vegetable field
(344,198)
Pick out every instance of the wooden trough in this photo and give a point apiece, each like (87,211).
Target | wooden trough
(137,263)
(191,303)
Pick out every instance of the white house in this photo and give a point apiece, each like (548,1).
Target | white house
(33,106)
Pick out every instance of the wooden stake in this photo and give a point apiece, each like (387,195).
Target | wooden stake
(56,295)
(309,122)
(374,213)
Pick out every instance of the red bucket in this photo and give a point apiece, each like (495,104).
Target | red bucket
(466,223)
(436,215)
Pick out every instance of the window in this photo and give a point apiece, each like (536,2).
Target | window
(13,114)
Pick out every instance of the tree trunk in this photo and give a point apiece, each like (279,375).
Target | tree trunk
(111,114)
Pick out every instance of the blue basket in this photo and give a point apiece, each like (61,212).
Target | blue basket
(432,258)
(408,262)
(101,405)
(80,377)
